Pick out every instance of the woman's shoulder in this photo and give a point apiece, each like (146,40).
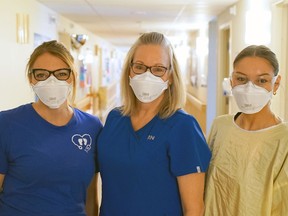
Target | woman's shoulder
(18,114)
(85,115)
(224,118)
(182,114)
(281,128)
(115,113)
(16,111)
(181,118)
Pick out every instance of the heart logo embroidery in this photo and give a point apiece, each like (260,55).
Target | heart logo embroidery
(82,141)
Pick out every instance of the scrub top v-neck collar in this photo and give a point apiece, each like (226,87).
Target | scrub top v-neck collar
(143,132)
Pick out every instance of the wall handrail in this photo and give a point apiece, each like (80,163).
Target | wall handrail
(196,102)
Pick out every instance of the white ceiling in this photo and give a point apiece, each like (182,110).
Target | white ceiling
(122,21)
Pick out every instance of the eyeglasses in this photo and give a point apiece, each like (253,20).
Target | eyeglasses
(43,74)
(262,81)
(138,68)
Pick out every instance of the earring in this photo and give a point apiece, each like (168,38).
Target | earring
(274,93)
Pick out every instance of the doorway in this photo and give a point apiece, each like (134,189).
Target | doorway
(224,69)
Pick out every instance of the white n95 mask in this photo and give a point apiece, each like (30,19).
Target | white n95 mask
(147,87)
(251,98)
(52,92)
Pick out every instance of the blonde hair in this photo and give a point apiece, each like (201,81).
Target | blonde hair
(56,49)
(174,96)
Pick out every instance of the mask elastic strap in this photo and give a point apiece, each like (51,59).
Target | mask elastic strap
(274,79)
(273,83)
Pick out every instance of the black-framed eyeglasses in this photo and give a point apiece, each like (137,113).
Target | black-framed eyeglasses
(138,68)
(40,74)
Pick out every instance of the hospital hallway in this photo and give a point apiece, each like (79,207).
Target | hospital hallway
(206,36)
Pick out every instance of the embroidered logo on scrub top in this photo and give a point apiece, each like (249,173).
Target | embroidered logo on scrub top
(150,137)
(82,141)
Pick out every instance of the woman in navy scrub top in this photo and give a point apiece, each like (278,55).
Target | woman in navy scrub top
(48,147)
(152,155)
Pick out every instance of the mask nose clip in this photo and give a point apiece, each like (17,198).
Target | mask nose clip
(250,83)
(149,70)
(52,79)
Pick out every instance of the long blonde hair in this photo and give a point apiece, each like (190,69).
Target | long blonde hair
(174,96)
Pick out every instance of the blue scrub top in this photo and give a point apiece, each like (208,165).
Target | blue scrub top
(139,169)
(47,168)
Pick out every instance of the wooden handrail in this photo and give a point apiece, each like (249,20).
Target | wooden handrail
(196,102)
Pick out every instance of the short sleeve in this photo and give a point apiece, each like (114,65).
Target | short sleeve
(3,155)
(188,150)
(96,157)
(98,131)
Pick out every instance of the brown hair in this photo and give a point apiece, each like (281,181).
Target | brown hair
(260,51)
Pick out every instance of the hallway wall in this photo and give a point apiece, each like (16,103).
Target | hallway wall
(15,89)
(14,86)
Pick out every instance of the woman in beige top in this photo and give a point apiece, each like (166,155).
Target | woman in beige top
(248,170)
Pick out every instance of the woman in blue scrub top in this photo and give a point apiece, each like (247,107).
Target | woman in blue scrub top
(48,148)
(152,155)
